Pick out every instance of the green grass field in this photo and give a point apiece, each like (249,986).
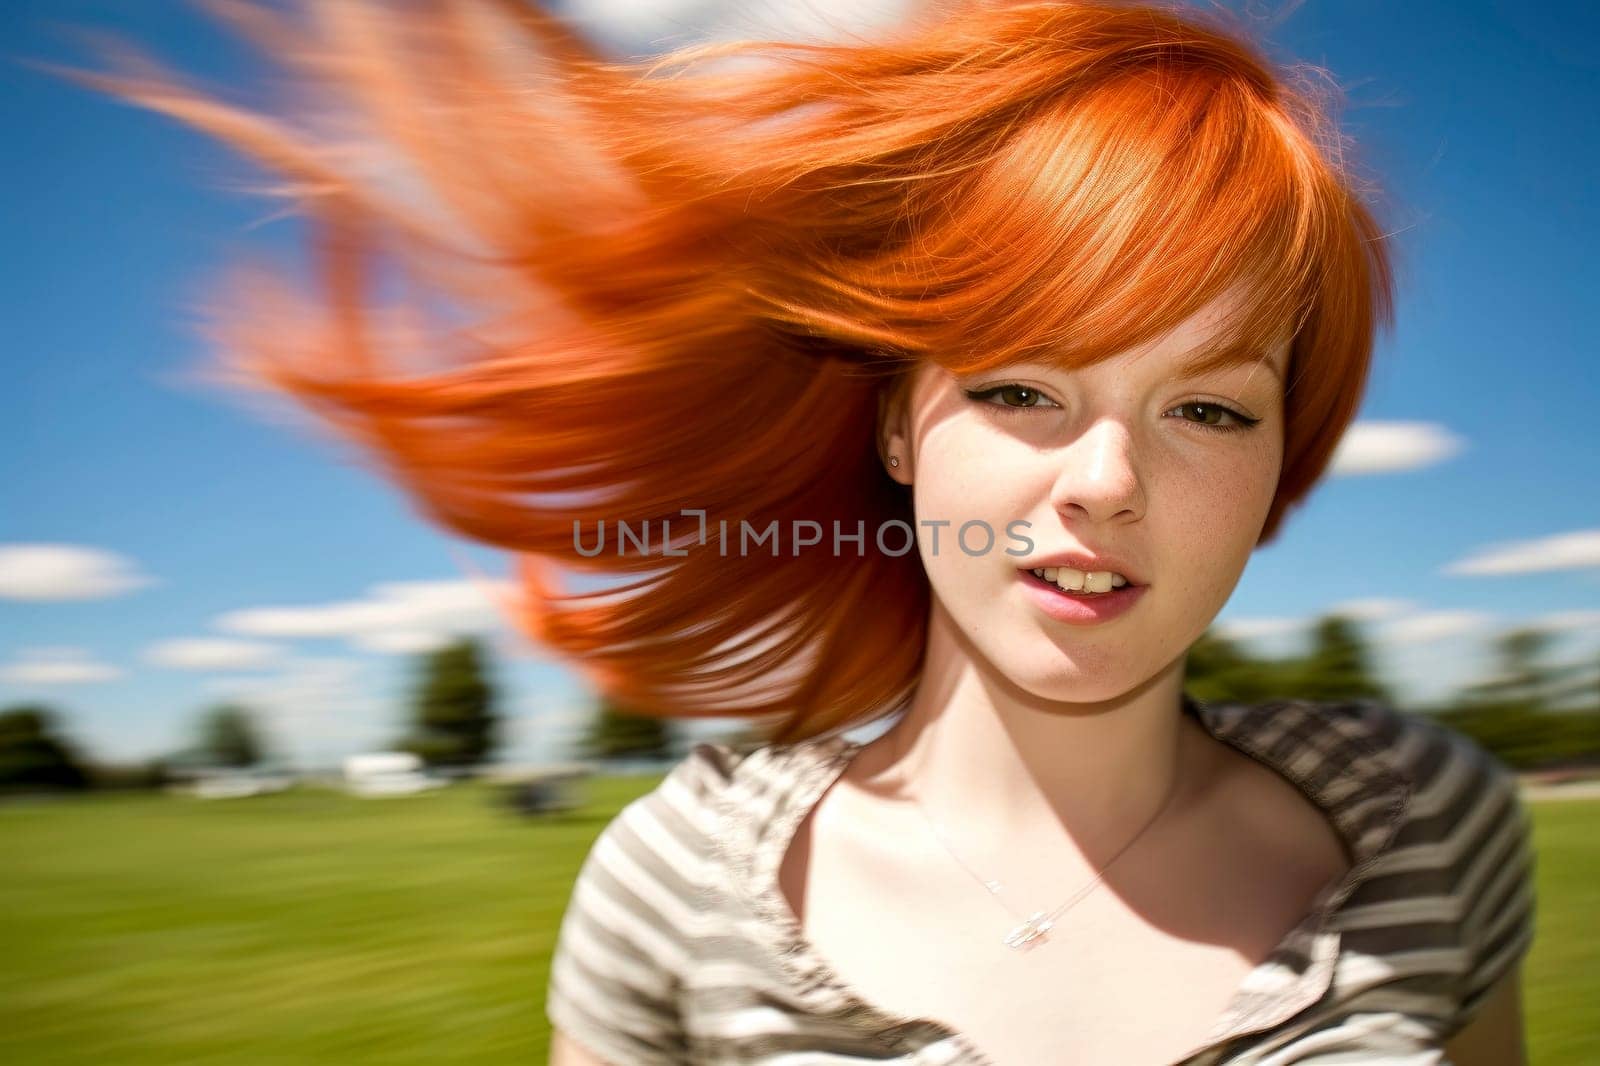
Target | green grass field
(309,927)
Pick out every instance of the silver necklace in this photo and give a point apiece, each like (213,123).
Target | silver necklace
(1032,928)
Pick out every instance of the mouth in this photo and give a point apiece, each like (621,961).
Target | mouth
(1079,607)
(1078,583)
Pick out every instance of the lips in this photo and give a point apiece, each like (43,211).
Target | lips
(1087,563)
(1076,608)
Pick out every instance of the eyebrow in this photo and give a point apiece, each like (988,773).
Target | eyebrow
(1229,355)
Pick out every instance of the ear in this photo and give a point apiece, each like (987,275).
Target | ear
(894,428)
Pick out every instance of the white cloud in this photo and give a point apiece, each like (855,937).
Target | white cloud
(57,665)
(544,727)
(1426,654)
(401,642)
(1568,621)
(1375,609)
(212,653)
(316,709)
(1393,447)
(809,20)
(615,21)
(1578,550)
(1262,628)
(1425,627)
(48,572)
(397,617)
(649,26)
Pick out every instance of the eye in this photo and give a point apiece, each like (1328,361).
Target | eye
(1215,417)
(1209,415)
(1012,397)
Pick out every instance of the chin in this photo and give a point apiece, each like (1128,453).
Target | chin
(1092,699)
(1051,675)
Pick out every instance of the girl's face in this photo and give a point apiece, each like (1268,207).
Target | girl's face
(1172,476)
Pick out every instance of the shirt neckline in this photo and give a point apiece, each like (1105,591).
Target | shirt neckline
(1321,749)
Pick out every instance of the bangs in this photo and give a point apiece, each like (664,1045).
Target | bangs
(1115,213)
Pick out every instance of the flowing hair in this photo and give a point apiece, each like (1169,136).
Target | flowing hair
(623,290)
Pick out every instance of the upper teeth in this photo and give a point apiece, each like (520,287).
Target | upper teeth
(1082,580)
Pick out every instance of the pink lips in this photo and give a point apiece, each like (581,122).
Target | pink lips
(1086,561)
(1077,609)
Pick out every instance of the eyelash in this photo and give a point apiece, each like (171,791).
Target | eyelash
(1241,422)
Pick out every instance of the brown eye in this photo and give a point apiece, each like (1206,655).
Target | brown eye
(1013,396)
(1215,416)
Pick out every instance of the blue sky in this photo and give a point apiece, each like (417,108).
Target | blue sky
(162,547)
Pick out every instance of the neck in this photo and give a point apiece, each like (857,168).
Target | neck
(993,763)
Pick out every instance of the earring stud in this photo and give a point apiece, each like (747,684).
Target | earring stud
(894,460)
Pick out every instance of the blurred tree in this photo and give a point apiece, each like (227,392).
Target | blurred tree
(228,737)
(1339,665)
(1594,687)
(1523,677)
(33,756)
(149,774)
(1218,670)
(453,715)
(615,732)
(1573,685)
(1522,713)
(1527,738)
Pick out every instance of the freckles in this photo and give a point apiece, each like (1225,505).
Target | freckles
(1232,492)
(1239,478)
(1257,481)
(1214,511)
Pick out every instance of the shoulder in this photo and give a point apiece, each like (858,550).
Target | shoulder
(1462,801)
(1425,750)
(664,835)
(677,828)
(1373,741)
(625,941)
(1452,893)
(1461,807)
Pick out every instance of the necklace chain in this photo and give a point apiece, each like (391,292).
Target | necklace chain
(1033,927)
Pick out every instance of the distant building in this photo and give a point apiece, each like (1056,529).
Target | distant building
(229,782)
(388,773)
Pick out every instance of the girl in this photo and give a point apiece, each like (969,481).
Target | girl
(946,380)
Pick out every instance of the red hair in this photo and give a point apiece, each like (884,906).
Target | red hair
(688,283)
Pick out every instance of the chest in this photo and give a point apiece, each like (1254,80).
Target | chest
(1136,972)
(1102,986)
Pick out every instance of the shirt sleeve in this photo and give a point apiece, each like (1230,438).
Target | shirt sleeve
(622,947)
(1498,889)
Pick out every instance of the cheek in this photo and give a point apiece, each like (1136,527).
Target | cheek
(971,475)
(967,478)
(1212,511)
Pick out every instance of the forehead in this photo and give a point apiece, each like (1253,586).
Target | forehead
(1209,340)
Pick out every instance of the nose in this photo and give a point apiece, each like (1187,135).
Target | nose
(1098,478)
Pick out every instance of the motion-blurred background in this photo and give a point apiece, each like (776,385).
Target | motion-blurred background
(219,645)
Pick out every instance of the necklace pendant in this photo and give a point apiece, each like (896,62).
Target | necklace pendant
(1024,935)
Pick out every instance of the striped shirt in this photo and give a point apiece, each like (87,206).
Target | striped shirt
(677,945)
